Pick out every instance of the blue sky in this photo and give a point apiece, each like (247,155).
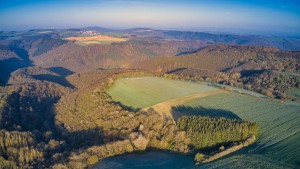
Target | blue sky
(256,15)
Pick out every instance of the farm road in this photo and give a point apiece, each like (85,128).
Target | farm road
(165,107)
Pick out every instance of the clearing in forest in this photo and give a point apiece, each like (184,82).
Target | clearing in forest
(98,39)
(143,92)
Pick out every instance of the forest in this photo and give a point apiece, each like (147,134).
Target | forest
(75,128)
(208,132)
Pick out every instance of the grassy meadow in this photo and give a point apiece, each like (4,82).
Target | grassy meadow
(294,93)
(98,39)
(142,92)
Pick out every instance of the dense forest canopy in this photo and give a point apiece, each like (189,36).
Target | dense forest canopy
(208,132)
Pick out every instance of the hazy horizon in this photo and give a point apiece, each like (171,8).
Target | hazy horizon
(213,30)
(231,16)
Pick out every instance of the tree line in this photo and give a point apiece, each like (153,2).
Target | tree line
(208,132)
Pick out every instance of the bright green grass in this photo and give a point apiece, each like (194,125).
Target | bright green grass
(278,121)
(246,161)
(295,93)
(80,43)
(239,90)
(94,42)
(141,92)
(290,74)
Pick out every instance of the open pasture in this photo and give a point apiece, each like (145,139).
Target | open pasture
(98,39)
(142,92)
(294,93)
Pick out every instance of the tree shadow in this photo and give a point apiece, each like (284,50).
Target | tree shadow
(176,70)
(180,111)
(247,73)
(128,108)
(27,112)
(22,53)
(55,79)
(7,66)
(192,51)
(61,71)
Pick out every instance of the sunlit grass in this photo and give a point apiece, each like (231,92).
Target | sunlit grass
(141,92)
(98,39)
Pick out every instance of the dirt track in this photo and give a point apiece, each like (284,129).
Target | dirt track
(165,107)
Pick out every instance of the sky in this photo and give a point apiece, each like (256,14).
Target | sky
(255,15)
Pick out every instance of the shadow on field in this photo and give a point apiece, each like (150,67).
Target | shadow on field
(128,108)
(247,73)
(55,79)
(61,71)
(176,70)
(180,111)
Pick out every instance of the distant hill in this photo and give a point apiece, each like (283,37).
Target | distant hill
(213,57)
(281,42)
(29,74)
(266,70)
(98,28)
(38,45)
(79,58)
(15,54)
(285,43)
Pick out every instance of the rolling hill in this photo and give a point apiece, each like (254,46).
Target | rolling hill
(260,69)
(119,55)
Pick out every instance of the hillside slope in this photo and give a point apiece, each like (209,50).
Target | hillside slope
(78,58)
(10,61)
(262,69)
(214,57)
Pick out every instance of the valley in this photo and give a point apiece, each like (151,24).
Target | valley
(149,84)
(152,90)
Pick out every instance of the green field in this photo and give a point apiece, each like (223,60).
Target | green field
(278,121)
(278,144)
(294,93)
(93,42)
(141,92)
(238,90)
(290,74)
